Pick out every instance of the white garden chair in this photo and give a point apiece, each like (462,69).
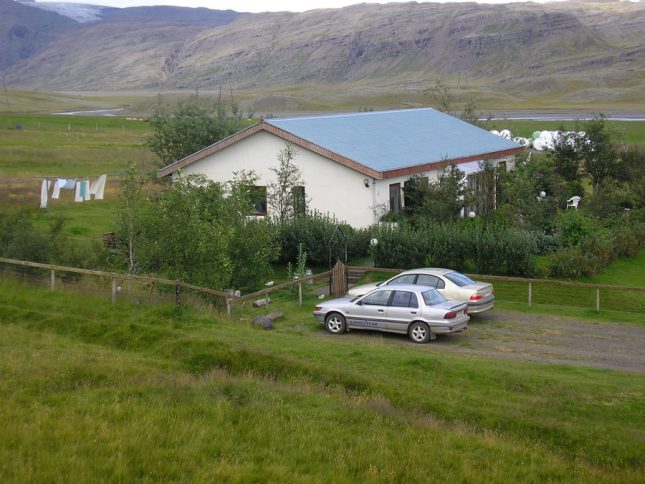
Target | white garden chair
(573,202)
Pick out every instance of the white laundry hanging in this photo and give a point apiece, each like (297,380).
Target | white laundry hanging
(78,197)
(57,187)
(98,187)
(85,190)
(44,191)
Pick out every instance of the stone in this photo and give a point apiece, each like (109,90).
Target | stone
(262,321)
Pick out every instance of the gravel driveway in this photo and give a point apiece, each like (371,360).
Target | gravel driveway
(552,339)
(544,339)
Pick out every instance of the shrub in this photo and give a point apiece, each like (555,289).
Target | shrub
(569,263)
(458,246)
(573,227)
(315,230)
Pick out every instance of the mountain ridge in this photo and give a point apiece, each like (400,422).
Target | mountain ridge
(505,47)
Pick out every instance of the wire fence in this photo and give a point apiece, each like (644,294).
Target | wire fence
(553,292)
(147,289)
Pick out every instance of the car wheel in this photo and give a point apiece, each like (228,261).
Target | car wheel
(419,332)
(335,323)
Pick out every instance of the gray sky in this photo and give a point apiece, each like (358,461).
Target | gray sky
(252,5)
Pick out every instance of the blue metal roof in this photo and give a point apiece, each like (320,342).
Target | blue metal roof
(388,140)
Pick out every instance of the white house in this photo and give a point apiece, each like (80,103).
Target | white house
(354,166)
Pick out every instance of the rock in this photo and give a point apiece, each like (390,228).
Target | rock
(274,315)
(261,302)
(263,322)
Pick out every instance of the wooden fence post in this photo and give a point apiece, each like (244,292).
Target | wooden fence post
(177,294)
(597,300)
(300,293)
(530,293)
(52,278)
(114,290)
(266,298)
(228,306)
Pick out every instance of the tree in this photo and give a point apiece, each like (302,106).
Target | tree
(566,156)
(286,195)
(192,126)
(201,232)
(520,194)
(446,100)
(483,186)
(131,193)
(439,201)
(597,150)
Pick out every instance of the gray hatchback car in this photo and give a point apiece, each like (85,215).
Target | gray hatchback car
(418,311)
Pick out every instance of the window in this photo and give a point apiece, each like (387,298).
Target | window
(259,200)
(395,198)
(432,297)
(460,279)
(406,279)
(404,299)
(379,298)
(413,190)
(432,281)
(299,200)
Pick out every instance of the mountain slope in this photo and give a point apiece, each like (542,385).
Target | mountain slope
(537,48)
(25,30)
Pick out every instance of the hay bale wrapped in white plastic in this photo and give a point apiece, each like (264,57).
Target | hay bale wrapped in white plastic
(494,131)
(546,138)
(523,141)
(539,144)
(506,134)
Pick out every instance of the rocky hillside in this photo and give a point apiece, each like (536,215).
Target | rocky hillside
(531,47)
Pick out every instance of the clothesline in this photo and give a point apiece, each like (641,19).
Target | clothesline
(76,177)
(84,189)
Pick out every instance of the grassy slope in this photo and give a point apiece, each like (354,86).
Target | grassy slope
(69,147)
(90,391)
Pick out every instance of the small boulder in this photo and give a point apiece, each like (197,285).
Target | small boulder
(262,321)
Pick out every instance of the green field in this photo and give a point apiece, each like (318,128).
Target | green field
(92,391)
(630,132)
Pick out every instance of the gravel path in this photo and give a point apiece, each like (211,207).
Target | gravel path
(544,339)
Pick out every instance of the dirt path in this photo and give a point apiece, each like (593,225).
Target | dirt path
(544,339)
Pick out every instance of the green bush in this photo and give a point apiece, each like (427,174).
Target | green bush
(470,245)
(574,227)
(315,230)
(29,236)
(569,263)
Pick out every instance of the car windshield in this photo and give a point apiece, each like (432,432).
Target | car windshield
(459,279)
(432,297)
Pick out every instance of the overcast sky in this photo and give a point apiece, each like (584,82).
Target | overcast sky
(250,5)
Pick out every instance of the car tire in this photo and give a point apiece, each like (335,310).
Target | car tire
(335,323)
(419,332)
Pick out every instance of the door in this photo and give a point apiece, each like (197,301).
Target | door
(370,312)
(402,310)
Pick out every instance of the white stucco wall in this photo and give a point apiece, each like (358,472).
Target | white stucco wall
(329,186)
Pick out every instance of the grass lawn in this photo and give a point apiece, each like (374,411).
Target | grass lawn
(92,391)
(626,271)
(576,302)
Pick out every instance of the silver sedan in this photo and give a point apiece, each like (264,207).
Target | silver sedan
(418,311)
(453,285)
